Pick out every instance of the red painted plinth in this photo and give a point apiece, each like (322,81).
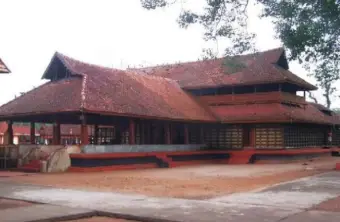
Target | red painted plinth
(235,157)
(337,167)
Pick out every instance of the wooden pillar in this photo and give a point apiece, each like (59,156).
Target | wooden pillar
(95,134)
(10,132)
(167,133)
(132,132)
(32,133)
(186,134)
(304,95)
(84,134)
(148,133)
(84,131)
(56,134)
(252,137)
(202,135)
(142,132)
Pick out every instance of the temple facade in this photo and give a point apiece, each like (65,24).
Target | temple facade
(233,103)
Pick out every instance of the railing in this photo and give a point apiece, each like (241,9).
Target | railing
(27,156)
(9,155)
(50,157)
(267,97)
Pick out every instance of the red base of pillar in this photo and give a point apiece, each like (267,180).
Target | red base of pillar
(84,135)
(337,167)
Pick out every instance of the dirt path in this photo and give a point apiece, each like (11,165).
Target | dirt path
(196,182)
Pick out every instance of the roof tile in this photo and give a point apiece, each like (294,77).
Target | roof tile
(257,68)
(98,89)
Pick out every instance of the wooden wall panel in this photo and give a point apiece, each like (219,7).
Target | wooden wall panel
(269,137)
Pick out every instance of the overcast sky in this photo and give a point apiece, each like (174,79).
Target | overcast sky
(114,33)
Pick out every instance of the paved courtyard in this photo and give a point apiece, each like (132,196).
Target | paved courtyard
(304,199)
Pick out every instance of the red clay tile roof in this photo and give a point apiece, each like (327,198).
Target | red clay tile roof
(3,67)
(51,97)
(103,90)
(256,68)
(273,112)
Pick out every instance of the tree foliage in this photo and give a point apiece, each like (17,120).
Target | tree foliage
(220,19)
(326,74)
(309,30)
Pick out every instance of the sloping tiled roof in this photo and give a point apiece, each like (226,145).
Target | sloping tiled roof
(98,89)
(259,68)
(63,95)
(3,67)
(273,112)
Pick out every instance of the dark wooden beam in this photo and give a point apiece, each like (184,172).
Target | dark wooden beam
(167,133)
(84,135)
(56,134)
(132,132)
(252,137)
(10,132)
(186,134)
(32,133)
(96,134)
(202,135)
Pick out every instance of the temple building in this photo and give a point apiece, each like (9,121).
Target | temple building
(246,102)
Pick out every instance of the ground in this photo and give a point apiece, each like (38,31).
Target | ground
(195,182)
(100,219)
(7,203)
(313,199)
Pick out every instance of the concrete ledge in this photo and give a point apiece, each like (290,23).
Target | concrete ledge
(337,167)
(43,212)
(125,148)
(133,217)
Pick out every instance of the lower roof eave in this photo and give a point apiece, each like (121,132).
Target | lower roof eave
(34,114)
(258,121)
(212,120)
(284,121)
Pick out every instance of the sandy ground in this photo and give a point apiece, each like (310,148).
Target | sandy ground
(7,203)
(329,205)
(100,219)
(195,182)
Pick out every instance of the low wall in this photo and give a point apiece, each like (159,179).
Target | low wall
(141,148)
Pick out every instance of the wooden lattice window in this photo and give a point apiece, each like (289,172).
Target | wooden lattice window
(304,136)
(231,137)
(195,134)
(105,135)
(268,137)
(224,136)
(336,137)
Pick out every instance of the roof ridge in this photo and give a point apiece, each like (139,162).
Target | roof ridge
(63,56)
(83,92)
(204,60)
(129,72)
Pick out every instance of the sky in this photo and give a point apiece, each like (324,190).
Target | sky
(112,33)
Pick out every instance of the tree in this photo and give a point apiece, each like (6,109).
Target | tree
(326,74)
(312,97)
(309,29)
